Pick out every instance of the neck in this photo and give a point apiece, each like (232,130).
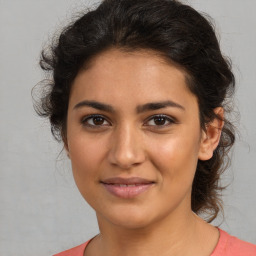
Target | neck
(174,235)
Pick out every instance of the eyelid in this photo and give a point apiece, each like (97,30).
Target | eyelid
(171,120)
(86,118)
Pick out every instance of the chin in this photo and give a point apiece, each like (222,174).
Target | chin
(132,223)
(131,218)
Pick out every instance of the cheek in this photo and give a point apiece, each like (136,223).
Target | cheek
(176,158)
(86,157)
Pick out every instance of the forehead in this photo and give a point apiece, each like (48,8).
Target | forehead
(141,76)
(121,58)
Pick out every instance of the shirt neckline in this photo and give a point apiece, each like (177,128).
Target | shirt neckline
(223,237)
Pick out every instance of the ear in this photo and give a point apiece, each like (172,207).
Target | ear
(211,136)
(66,146)
(66,149)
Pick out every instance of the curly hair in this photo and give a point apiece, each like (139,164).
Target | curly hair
(179,34)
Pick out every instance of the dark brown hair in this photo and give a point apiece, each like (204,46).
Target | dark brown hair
(175,31)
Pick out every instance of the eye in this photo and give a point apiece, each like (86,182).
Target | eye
(159,120)
(95,121)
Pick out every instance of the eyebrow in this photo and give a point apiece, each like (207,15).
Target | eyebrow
(140,109)
(94,104)
(158,105)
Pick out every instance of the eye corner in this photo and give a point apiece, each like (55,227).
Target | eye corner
(163,121)
(95,121)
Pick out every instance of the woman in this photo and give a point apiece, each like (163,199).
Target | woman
(138,98)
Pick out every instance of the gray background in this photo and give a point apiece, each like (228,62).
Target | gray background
(42,212)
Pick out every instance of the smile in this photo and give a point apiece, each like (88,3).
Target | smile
(127,185)
(127,188)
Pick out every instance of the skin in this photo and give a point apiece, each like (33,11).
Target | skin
(130,143)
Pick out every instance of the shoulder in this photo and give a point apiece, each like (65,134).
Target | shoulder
(232,246)
(76,251)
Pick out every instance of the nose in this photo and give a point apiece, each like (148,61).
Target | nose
(126,148)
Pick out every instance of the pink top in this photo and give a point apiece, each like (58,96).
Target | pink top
(227,246)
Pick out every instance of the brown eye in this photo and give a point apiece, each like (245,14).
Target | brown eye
(160,120)
(98,120)
(95,120)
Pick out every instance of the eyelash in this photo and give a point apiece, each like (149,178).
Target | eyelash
(85,120)
(165,118)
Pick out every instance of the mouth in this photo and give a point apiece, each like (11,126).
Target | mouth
(127,187)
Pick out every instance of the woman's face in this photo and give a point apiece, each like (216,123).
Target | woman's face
(133,137)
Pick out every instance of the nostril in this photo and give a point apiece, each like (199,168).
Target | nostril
(126,163)
(126,148)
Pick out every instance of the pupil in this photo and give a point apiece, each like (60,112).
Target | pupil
(98,120)
(159,120)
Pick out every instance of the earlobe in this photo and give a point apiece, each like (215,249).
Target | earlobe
(67,151)
(211,135)
(66,147)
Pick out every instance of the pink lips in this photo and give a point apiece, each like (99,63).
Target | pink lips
(126,187)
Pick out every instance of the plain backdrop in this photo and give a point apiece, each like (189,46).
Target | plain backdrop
(41,210)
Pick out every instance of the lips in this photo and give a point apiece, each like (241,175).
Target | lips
(127,187)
